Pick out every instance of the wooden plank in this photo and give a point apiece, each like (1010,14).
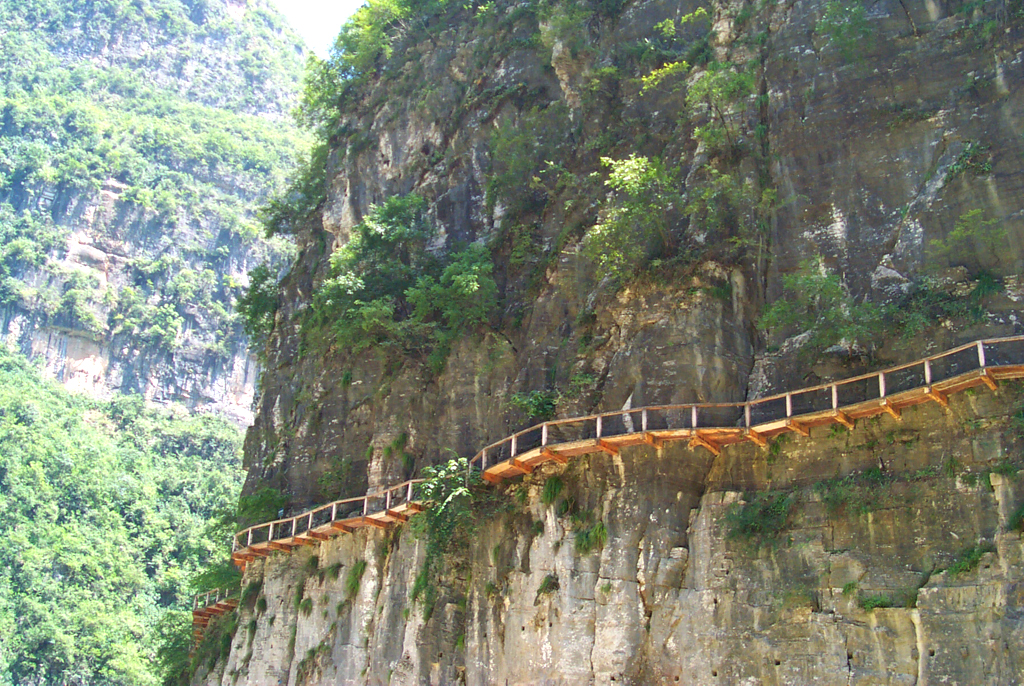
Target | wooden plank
(375,523)
(798,428)
(395,514)
(522,466)
(696,440)
(891,410)
(938,397)
(841,417)
(550,454)
(274,545)
(607,447)
(303,539)
(318,535)
(414,506)
(491,478)
(651,439)
(343,528)
(756,438)
(986,377)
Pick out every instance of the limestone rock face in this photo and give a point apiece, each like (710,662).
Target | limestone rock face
(674,596)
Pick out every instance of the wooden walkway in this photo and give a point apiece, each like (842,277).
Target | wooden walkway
(709,426)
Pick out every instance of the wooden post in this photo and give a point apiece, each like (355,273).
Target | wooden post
(746,414)
(387,501)
(408,497)
(927,373)
(643,419)
(366,505)
(544,434)
(483,460)
(598,430)
(270,532)
(309,527)
(981,355)
(248,540)
(515,443)
(881,384)
(835,397)
(295,523)
(789,404)
(334,511)
(693,416)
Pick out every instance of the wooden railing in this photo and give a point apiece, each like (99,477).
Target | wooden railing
(212,597)
(932,377)
(383,506)
(707,425)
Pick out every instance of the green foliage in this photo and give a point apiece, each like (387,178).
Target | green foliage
(262,505)
(760,517)
(817,302)
(974,160)
(354,577)
(108,512)
(258,305)
(521,150)
(973,243)
(387,290)
(549,584)
(669,71)
(591,538)
(553,486)
(720,94)
(845,26)
(306,607)
(538,406)
(871,602)
(858,493)
(969,559)
(849,588)
(636,221)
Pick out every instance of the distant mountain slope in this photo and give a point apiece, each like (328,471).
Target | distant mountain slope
(136,141)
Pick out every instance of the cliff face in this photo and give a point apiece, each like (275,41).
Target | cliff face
(137,144)
(838,147)
(867,136)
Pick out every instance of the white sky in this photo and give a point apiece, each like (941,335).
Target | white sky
(317,21)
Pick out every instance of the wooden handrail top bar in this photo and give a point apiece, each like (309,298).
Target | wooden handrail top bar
(758,401)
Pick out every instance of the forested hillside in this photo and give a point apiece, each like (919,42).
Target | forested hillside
(107,511)
(137,141)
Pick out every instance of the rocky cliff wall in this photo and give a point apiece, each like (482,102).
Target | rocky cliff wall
(862,139)
(872,149)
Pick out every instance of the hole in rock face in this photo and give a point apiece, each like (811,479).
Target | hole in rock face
(676,679)
(714,672)
(522,628)
(440,655)
(849,655)
(931,652)
(425,149)
(777,663)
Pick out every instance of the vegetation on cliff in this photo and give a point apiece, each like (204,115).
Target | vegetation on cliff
(107,511)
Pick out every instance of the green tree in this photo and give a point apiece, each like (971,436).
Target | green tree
(637,216)
(817,302)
